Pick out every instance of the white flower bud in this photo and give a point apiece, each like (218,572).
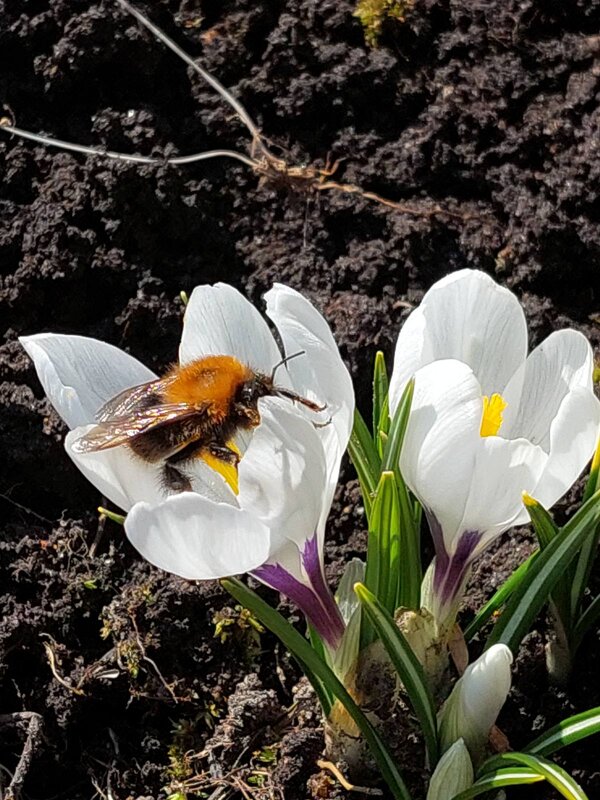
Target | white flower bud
(476,700)
(453,774)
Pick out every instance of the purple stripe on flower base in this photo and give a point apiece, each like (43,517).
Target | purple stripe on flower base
(312,564)
(450,571)
(315,600)
(449,574)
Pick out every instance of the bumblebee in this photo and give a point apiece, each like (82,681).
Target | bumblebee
(193,411)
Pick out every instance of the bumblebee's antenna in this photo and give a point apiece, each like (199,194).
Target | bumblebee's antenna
(285,360)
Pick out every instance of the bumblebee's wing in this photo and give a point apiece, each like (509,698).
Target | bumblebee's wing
(120,430)
(127,402)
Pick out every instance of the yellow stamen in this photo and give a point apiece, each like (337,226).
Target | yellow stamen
(491,419)
(227,471)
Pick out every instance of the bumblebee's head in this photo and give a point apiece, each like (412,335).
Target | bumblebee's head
(260,385)
(253,389)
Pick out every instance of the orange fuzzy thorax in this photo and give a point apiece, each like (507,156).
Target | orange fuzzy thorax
(211,382)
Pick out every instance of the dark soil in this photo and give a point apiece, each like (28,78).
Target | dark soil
(487,109)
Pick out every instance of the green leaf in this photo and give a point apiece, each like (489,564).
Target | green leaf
(391,457)
(581,577)
(584,623)
(593,482)
(531,594)
(380,396)
(317,670)
(546,529)
(509,776)
(410,573)
(406,665)
(498,599)
(383,550)
(543,525)
(582,569)
(365,459)
(551,772)
(325,697)
(567,732)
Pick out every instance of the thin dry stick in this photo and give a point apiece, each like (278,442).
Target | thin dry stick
(112,154)
(52,662)
(271,169)
(349,787)
(212,81)
(33,723)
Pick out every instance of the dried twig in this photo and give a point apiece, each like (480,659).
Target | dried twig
(54,663)
(349,787)
(148,660)
(271,169)
(31,722)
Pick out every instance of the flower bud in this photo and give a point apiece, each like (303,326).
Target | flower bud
(476,700)
(453,774)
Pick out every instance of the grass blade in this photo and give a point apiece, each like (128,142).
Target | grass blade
(551,772)
(509,776)
(380,396)
(546,529)
(543,525)
(584,623)
(567,732)
(406,665)
(498,599)
(531,594)
(316,668)
(391,457)
(365,459)
(410,574)
(586,558)
(383,553)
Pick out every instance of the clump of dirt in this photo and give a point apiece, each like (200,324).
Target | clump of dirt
(488,110)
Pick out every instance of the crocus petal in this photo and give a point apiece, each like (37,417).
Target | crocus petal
(320,374)
(220,321)
(282,475)
(561,363)
(468,317)
(279,501)
(573,435)
(197,539)
(80,374)
(503,471)
(116,473)
(442,437)
(308,590)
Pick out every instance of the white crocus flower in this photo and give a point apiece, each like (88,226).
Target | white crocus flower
(273,523)
(488,422)
(476,700)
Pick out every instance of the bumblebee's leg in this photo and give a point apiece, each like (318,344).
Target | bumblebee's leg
(219,457)
(223,453)
(174,479)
